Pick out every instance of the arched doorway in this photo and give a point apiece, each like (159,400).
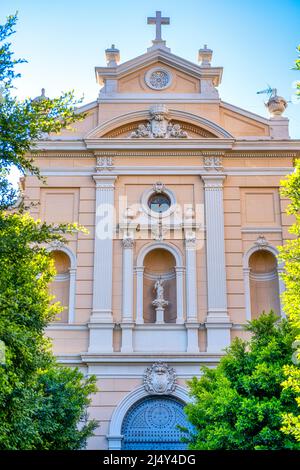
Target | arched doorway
(151,424)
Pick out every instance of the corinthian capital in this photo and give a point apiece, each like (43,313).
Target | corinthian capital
(128,242)
(213,183)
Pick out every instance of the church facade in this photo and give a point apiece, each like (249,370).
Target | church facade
(179,192)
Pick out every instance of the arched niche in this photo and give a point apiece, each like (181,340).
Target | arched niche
(172,264)
(60,286)
(63,285)
(264,286)
(159,264)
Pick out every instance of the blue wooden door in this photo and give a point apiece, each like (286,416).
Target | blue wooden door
(151,424)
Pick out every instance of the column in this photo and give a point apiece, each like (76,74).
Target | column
(217,322)
(101,323)
(72,294)
(281,286)
(247,293)
(191,278)
(127,294)
(139,294)
(192,324)
(179,289)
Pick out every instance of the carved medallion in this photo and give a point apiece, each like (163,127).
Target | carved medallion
(160,379)
(158,79)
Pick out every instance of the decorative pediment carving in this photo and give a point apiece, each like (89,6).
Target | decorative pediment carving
(158,122)
(127,130)
(159,126)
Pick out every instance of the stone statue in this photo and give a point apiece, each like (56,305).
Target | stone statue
(159,303)
(158,286)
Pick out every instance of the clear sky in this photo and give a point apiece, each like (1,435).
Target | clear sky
(254,40)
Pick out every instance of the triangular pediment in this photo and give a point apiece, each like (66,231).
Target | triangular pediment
(156,58)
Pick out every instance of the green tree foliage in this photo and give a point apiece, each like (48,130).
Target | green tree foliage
(42,404)
(290,252)
(297,67)
(290,255)
(239,404)
(23,123)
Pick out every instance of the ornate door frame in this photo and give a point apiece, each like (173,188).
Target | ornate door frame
(115,436)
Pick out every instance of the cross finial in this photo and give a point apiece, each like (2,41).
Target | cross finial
(158,20)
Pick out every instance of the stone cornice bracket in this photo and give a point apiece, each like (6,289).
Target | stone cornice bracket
(213,182)
(105,182)
(104,163)
(213,161)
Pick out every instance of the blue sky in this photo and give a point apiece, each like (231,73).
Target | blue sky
(255,41)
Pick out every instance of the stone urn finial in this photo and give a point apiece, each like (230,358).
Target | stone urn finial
(276,105)
(112,56)
(205,56)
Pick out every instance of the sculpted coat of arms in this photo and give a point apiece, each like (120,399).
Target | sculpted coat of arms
(159,126)
(160,379)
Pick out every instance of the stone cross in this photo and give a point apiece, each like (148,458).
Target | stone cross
(158,20)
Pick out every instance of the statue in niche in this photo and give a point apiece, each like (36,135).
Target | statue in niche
(158,286)
(159,303)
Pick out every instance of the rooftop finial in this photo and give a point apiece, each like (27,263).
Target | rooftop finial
(42,96)
(158,20)
(205,56)
(112,56)
(276,105)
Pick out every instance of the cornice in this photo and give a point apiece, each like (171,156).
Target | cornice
(245,112)
(159,144)
(62,155)
(265,154)
(149,153)
(228,148)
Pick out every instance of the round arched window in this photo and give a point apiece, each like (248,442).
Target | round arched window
(159,202)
